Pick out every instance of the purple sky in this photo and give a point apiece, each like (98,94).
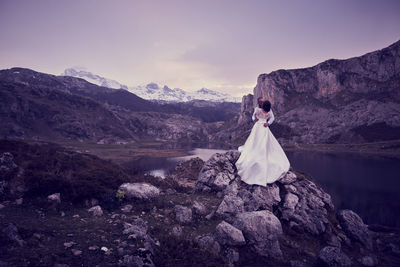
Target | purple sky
(220,45)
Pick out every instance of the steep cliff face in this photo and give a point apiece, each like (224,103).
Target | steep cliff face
(246,109)
(338,100)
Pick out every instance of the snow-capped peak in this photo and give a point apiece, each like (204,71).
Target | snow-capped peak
(152,91)
(81,72)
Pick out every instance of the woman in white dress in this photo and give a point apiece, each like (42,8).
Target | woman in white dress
(262,159)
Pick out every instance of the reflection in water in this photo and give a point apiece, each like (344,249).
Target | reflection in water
(369,186)
(203,153)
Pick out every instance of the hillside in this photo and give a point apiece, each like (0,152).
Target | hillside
(48,107)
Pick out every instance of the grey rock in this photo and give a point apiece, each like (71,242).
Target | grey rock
(306,207)
(127,208)
(177,231)
(199,209)
(230,206)
(227,234)
(262,230)
(288,178)
(183,214)
(333,256)
(208,242)
(355,228)
(141,260)
(232,255)
(256,197)
(136,229)
(217,172)
(12,232)
(290,201)
(140,191)
(96,211)
(170,191)
(54,198)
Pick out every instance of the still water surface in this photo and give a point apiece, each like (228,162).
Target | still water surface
(369,186)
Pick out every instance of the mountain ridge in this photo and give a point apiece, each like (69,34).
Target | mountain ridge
(152,91)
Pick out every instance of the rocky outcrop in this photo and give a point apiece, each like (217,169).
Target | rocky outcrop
(267,215)
(337,101)
(217,173)
(246,109)
(352,100)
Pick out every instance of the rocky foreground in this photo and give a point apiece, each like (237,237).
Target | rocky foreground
(201,215)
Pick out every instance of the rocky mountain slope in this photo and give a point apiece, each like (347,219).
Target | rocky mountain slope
(153,91)
(199,216)
(42,106)
(337,101)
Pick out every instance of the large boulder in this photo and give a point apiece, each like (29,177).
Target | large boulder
(229,235)
(262,230)
(139,191)
(305,205)
(230,206)
(355,228)
(218,172)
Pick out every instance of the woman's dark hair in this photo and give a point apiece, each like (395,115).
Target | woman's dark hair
(266,106)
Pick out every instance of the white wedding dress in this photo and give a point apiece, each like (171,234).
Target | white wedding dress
(262,159)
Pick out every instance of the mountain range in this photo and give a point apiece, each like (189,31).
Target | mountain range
(355,100)
(153,91)
(47,107)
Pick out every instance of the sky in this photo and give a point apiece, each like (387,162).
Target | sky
(216,44)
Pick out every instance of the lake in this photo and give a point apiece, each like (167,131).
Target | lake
(367,185)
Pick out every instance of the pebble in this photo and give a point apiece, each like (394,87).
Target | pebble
(69,244)
(76,252)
